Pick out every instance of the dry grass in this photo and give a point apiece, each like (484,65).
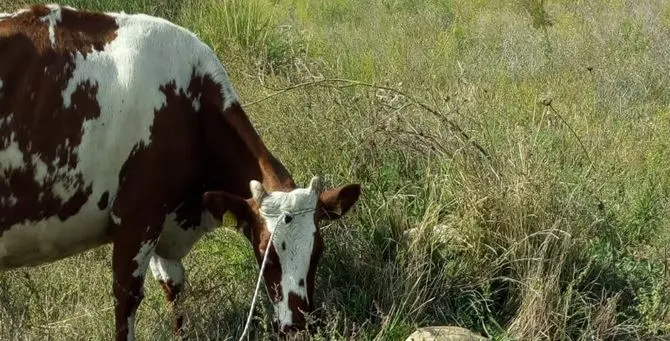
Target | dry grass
(561,233)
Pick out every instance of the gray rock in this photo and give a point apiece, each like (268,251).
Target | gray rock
(444,333)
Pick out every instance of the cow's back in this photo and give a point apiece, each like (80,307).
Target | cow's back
(78,94)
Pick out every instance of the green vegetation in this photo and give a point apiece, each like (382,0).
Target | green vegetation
(561,233)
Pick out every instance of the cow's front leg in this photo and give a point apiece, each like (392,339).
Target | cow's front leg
(134,242)
(170,275)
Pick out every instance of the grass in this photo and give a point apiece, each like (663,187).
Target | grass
(561,233)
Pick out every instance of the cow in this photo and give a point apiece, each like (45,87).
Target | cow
(125,129)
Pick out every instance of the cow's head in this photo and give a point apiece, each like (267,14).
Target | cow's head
(293,218)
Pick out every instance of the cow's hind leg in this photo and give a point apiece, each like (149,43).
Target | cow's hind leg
(170,275)
(135,239)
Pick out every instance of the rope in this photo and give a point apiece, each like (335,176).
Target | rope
(307,210)
(260,276)
(281,218)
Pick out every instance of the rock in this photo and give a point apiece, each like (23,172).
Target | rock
(444,333)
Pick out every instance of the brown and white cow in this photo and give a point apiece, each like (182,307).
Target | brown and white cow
(125,129)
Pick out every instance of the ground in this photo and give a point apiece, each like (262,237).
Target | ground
(524,141)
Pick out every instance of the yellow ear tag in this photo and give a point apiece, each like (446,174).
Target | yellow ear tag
(229,219)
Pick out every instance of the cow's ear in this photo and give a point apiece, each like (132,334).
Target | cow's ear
(220,203)
(337,201)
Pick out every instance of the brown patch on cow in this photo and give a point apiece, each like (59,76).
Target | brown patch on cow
(299,307)
(151,185)
(317,251)
(272,273)
(104,201)
(72,206)
(247,148)
(231,138)
(336,202)
(189,211)
(259,236)
(34,74)
(80,31)
(223,144)
(170,290)
(172,296)
(228,136)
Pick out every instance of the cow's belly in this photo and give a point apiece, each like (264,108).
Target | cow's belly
(48,240)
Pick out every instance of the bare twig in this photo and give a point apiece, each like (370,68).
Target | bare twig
(579,140)
(345,83)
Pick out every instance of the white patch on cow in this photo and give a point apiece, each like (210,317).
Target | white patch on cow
(8,201)
(4,15)
(131,326)
(209,222)
(227,90)
(167,270)
(175,242)
(196,103)
(36,242)
(40,169)
(61,190)
(11,157)
(298,239)
(52,19)
(142,258)
(115,219)
(7,120)
(62,6)
(126,77)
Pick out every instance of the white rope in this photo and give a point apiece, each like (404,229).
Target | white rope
(260,276)
(293,214)
(281,218)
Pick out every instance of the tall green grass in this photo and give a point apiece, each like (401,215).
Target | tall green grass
(560,233)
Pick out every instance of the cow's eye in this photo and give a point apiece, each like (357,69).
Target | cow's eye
(288,219)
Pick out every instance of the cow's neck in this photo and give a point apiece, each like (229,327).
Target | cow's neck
(240,155)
